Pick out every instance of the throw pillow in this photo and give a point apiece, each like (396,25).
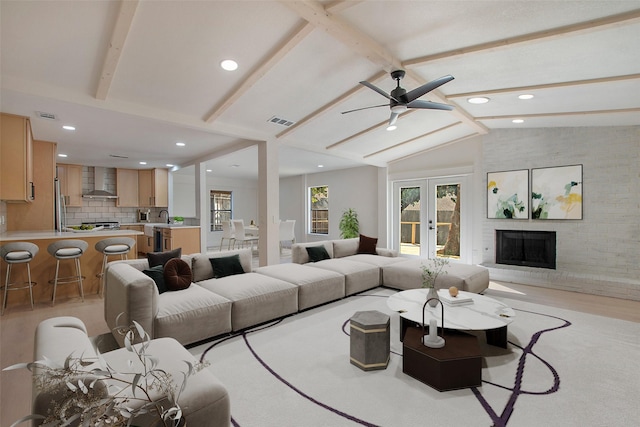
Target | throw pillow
(157,274)
(226,266)
(317,253)
(161,258)
(177,275)
(367,245)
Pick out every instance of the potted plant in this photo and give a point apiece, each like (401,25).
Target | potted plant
(349,226)
(87,391)
(429,275)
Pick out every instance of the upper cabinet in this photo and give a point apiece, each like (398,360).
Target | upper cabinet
(16,159)
(127,188)
(70,177)
(153,188)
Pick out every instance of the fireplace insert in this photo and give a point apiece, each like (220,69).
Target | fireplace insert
(526,248)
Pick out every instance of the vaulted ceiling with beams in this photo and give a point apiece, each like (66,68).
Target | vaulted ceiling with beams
(136,77)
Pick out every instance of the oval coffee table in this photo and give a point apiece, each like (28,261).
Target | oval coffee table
(484,314)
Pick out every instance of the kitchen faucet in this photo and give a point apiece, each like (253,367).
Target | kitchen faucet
(160,215)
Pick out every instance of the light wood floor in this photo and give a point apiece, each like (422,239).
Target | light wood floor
(18,325)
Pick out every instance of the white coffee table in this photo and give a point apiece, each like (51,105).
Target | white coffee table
(484,314)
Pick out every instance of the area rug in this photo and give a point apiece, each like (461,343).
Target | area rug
(561,368)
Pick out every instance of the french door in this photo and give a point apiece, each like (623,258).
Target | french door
(429,218)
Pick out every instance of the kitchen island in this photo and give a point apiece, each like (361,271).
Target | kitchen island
(43,266)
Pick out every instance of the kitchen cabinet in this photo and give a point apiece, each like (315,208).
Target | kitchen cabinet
(153,188)
(16,159)
(39,214)
(187,238)
(127,188)
(141,240)
(70,177)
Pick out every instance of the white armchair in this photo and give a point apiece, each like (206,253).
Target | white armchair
(287,233)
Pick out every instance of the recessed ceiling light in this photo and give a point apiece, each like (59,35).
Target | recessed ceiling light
(517,121)
(478,100)
(180,144)
(143,163)
(67,127)
(169,165)
(320,166)
(392,127)
(209,170)
(62,155)
(525,96)
(229,65)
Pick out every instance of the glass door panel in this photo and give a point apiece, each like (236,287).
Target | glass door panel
(446,231)
(410,219)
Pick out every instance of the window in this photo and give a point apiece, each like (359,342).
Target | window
(319,203)
(220,208)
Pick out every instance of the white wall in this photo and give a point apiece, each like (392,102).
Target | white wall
(183,195)
(245,203)
(355,188)
(598,254)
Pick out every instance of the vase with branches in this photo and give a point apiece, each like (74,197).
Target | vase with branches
(430,273)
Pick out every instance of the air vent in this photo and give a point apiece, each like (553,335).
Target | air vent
(118,157)
(280,121)
(46,116)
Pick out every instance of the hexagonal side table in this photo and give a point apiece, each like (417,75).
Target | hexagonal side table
(370,340)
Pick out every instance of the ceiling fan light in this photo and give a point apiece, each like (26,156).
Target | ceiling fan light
(399,109)
(392,127)
(478,100)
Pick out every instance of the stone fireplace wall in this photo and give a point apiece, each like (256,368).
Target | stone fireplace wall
(599,254)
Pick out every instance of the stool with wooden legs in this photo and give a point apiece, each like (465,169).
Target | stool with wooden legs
(68,249)
(17,253)
(109,247)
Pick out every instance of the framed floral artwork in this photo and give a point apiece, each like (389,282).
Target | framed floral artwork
(508,194)
(556,193)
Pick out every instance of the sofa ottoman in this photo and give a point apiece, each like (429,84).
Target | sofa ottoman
(358,276)
(408,275)
(315,285)
(256,298)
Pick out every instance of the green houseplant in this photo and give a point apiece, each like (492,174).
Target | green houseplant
(87,391)
(349,226)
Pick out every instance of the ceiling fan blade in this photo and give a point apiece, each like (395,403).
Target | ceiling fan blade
(380,91)
(393,118)
(365,108)
(428,87)
(429,105)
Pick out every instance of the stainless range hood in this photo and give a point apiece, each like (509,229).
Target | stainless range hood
(99,191)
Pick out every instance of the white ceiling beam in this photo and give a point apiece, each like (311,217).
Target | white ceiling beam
(582,27)
(342,98)
(118,38)
(363,45)
(561,114)
(545,86)
(262,69)
(409,141)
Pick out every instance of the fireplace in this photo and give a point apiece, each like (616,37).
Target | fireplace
(526,248)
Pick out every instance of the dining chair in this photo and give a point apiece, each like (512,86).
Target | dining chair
(227,233)
(240,234)
(287,233)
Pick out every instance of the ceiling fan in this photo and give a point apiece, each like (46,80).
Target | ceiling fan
(400,100)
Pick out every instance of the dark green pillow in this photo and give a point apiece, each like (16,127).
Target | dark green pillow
(226,266)
(161,258)
(157,274)
(317,253)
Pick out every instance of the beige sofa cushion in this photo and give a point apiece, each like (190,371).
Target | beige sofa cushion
(315,285)
(202,269)
(408,275)
(358,276)
(256,298)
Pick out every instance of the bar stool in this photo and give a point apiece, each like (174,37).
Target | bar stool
(63,250)
(112,246)
(18,253)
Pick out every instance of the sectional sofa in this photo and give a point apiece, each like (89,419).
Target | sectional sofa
(212,306)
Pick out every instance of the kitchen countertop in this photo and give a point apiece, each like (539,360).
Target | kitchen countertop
(12,236)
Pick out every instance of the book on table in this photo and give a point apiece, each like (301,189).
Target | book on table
(446,298)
